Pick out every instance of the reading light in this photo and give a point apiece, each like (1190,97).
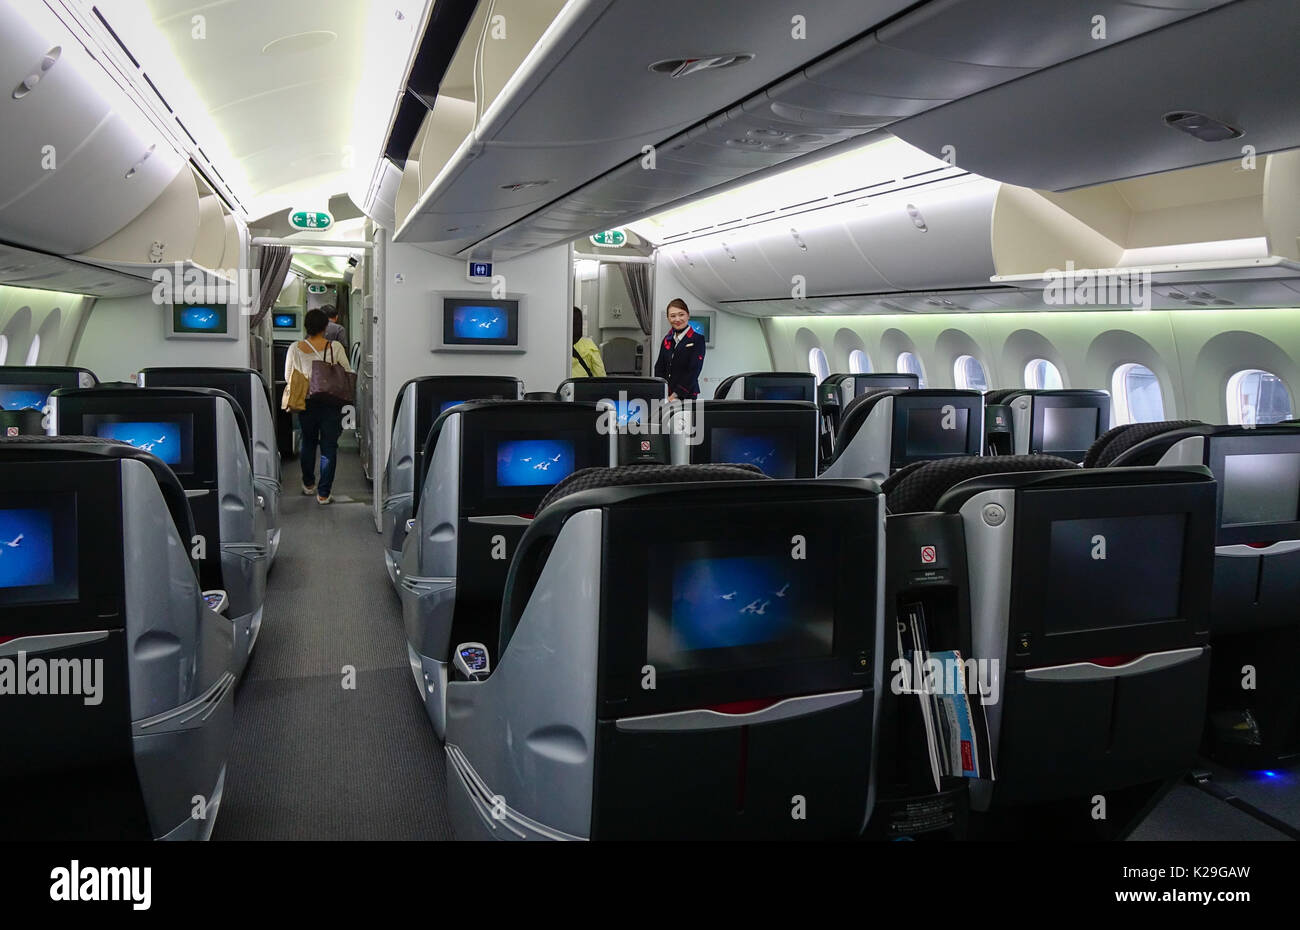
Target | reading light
(1202,127)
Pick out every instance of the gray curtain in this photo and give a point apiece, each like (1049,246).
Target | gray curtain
(636,277)
(273,269)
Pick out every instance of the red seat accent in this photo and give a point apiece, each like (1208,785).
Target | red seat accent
(743,707)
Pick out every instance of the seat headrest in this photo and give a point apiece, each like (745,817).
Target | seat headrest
(469,408)
(1117,439)
(588,479)
(37,448)
(854,415)
(918,488)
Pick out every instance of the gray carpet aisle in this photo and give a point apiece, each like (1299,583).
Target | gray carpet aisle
(312,760)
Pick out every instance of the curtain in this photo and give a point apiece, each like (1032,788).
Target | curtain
(272,270)
(636,277)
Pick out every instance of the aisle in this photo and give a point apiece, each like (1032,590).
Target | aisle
(311,759)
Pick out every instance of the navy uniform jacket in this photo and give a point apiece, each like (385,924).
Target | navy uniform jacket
(679,363)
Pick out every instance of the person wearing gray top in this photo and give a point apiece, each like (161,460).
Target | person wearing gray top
(334,330)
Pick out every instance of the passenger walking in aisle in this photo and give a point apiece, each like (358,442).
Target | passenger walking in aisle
(322,421)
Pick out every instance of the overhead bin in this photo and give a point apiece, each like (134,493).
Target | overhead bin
(527,177)
(80,161)
(1213,235)
(538,141)
(862,247)
(1235,63)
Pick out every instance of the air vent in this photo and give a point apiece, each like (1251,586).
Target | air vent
(680,67)
(523,185)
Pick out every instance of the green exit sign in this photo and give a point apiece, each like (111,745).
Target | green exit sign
(310,219)
(610,238)
(315,288)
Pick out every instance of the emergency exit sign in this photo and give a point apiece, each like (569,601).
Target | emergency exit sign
(310,219)
(315,288)
(610,238)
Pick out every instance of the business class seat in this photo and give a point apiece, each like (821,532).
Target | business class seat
(487,465)
(882,431)
(634,404)
(24,394)
(1053,422)
(768,385)
(101,604)
(419,403)
(654,685)
(1088,594)
(250,393)
(202,435)
(1254,623)
(778,436)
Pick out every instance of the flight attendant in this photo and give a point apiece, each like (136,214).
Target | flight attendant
(681,355)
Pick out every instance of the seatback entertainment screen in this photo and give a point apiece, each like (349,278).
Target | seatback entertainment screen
(1261,488)
(38,549)
(1113,572)
(170,437)
(533,462)
(732,605)
(772,450)
(1069,429)
(24,396)
(934,431)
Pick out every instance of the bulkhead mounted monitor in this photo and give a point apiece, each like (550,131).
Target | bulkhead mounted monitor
(202,321)
(474,323)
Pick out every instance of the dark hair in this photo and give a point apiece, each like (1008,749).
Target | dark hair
(331,312)
(677,302)
(314,322)
(577,324)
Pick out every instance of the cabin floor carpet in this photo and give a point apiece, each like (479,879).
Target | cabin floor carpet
(312,759)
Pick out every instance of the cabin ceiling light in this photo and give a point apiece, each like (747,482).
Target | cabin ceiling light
(1202,127)
(680,67)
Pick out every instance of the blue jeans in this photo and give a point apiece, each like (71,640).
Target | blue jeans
(321,425)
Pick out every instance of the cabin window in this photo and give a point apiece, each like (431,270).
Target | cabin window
(968,374)
(1042,375)
(4,349)
(1257,397)
(817,364)
(1135,395)
(34,352)
(859,364)
(909,363)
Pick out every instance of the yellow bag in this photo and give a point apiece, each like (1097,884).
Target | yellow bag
(295,392)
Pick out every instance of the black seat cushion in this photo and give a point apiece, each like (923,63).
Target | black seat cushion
(917,488)
(588,479)
(30,448)
(1114,441)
